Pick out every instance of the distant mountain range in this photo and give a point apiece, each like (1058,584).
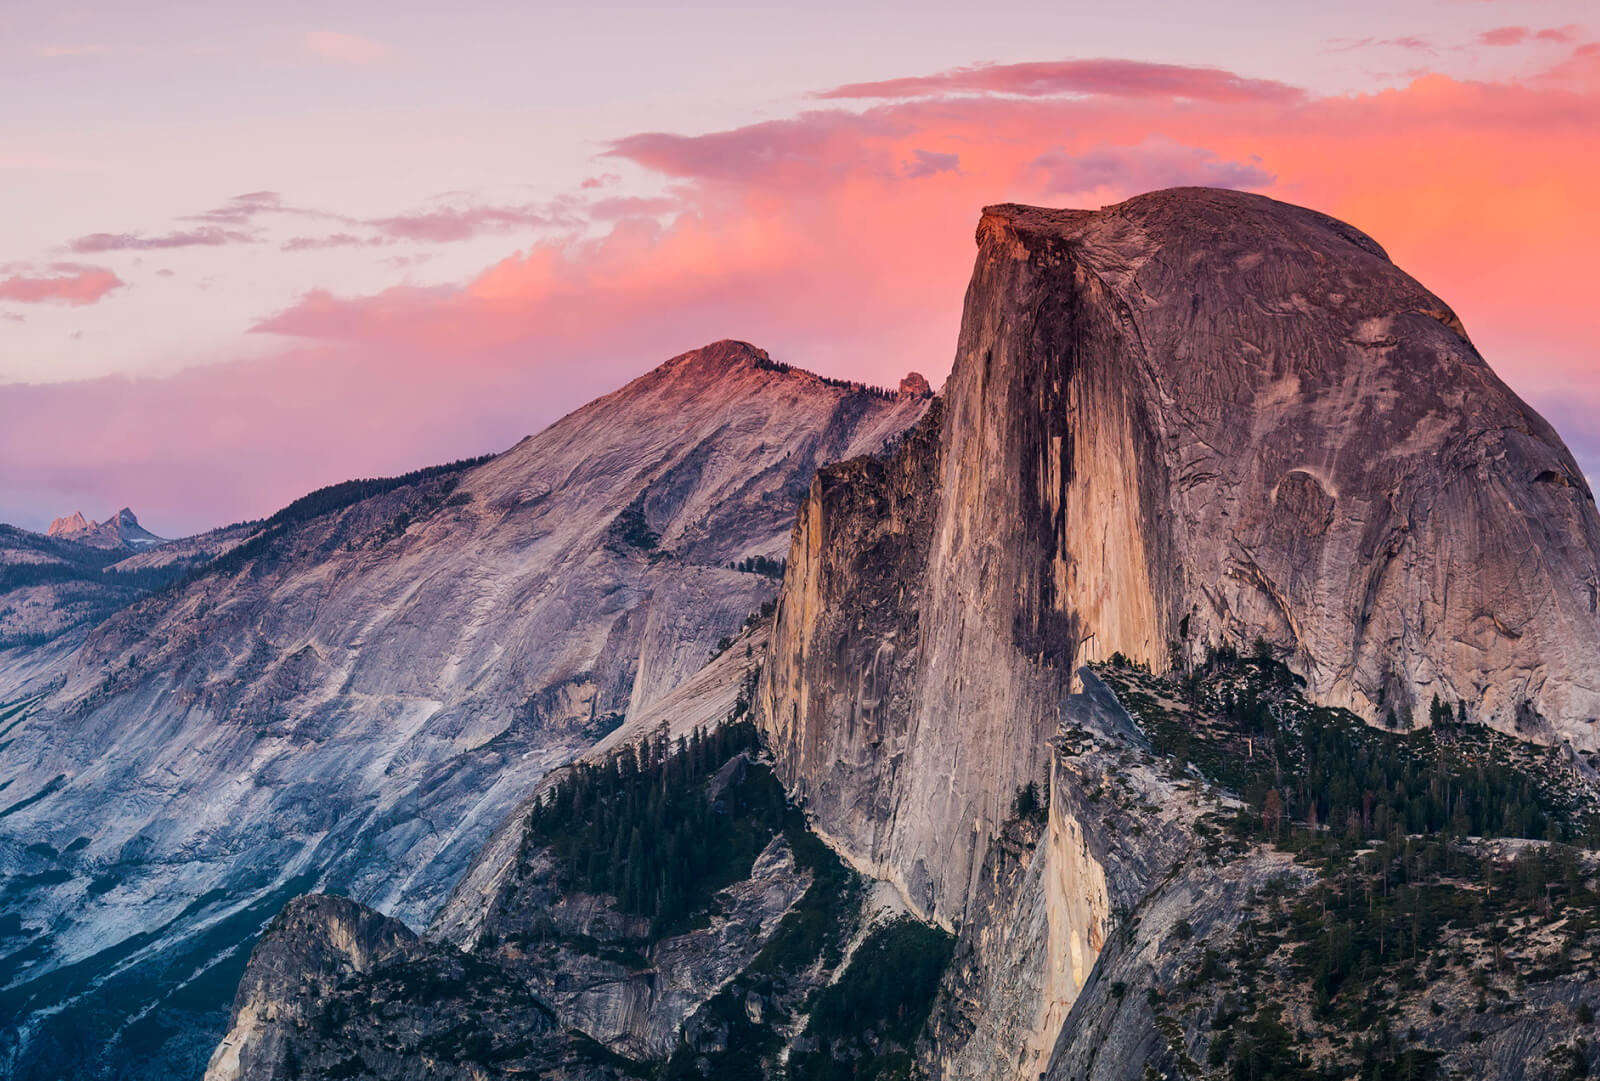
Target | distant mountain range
(121,530)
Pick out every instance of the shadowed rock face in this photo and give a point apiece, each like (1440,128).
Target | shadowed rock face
(1195,417)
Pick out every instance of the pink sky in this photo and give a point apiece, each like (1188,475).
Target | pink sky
(257,255)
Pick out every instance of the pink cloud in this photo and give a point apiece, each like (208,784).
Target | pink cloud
(930,163)
(1504,35)
(209,236)
(461,223)
(631,207)
(345,49)
(242,209)
(1157,162)
(72,284)
(1410,41)
(1115,78)
(227,224)
(333,240)
(822,147)
(1516,35)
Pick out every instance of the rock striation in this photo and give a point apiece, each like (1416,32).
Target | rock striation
(1196,417)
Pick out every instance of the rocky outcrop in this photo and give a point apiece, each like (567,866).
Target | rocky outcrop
(313,938)
(1192,418)
(835,693)
(552,976)
(337,990)
(1054,888)
(915,386)
(354,696)
(73,525)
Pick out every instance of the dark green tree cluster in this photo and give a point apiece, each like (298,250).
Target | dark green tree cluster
(1031,801)
(1378,928)
(643,827)
(728,1044)
(1368,786)
(1332,772)
(843,384)
(763,565)
(865,1024)
(1389,911)
(630,527)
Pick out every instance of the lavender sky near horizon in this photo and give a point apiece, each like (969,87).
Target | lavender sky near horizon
(248,252)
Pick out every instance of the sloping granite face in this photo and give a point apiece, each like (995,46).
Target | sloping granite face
(352,700)
(1195,417)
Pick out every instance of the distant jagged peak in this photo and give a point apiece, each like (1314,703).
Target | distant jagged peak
(71,526)
(121,530)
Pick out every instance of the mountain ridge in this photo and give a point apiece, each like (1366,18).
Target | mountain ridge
(353,700)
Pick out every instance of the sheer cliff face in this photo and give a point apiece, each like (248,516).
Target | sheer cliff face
(1195,417)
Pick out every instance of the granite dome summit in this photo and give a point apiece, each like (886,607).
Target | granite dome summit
(1196,417)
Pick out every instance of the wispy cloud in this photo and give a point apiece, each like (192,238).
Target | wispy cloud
(1504,35)
(631,207)
(463,222)
(65,283)
(1113,78)
(1410,42)
(241,220)
(1517,35)
(1156,162)
(206,237)
(333,240)
(243,209)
